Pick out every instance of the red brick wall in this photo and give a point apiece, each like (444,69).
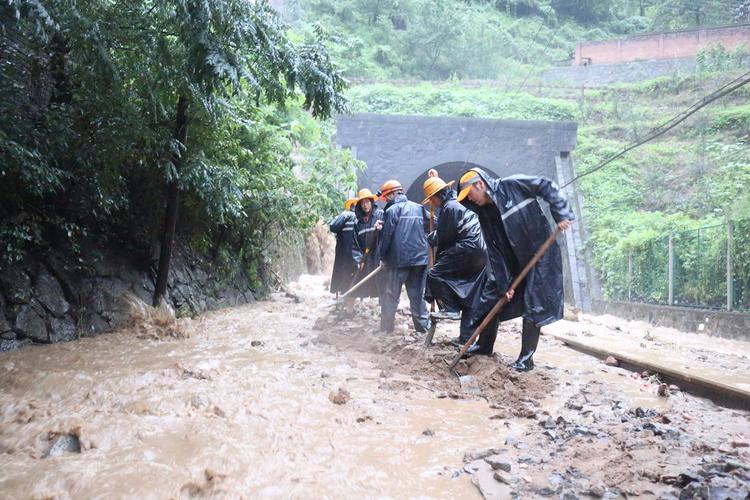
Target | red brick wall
(671,45)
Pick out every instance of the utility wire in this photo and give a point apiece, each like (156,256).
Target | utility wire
(726,89)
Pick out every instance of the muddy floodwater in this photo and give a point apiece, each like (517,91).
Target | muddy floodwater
(245,408)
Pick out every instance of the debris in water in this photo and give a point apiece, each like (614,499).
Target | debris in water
(156,323)
(469,384)
(339,398)
(62,444)
(428,432)
(612,361)
(256,343)
(663,390)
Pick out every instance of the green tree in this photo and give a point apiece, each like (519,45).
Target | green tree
(144,73)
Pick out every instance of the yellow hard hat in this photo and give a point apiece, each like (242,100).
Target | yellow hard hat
(432,186)
(348,203)
(469,178)
(388,187)
(366,193)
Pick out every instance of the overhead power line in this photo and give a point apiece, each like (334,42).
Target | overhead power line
(726,89)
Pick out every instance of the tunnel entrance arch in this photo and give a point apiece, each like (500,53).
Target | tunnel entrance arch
(448,171)
(405,147)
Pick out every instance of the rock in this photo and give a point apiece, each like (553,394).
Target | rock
(428,432)
(663,390)
(596,491)
(489,487)
(30,324)
(8,335)
(549,423)
(740,444)
(219,412)
(66,443)
(62,330)
(502,477)
(611,361)
(339,398)
(256,343)
(13,345)
(545,492)
(200,402)
(4,325)
(469,384)
(568,496)
(498,462)
(16,284)
(673,388)
(50,294)
(644,412)
(472,456)
(510,440)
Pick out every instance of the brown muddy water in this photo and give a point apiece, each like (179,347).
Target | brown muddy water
(242,409)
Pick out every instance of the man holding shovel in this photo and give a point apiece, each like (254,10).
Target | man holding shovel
(366,247)
(459,271)
(514,228)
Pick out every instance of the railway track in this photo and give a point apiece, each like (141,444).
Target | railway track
(719,392)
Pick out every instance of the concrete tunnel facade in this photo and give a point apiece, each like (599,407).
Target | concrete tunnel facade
(406,147)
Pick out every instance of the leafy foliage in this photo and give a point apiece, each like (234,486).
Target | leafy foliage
(88,108)
(428,99)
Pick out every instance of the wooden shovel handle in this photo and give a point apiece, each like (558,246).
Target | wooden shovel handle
(503,300)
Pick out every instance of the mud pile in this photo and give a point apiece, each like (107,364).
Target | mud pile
(402,355)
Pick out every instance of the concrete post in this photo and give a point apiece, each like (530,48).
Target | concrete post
(670,272)
(730,265)
(574,237)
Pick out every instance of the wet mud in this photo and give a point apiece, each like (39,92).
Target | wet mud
(291,398)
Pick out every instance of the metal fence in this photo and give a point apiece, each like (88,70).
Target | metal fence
(705,268)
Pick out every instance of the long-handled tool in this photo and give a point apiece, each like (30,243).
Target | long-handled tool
(504,300)
(433,324)
(358,285)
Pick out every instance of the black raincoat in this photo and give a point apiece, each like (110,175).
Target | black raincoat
(514,227)
(366,248)
(343,265)
(403,241)
(461,253)
(403,248)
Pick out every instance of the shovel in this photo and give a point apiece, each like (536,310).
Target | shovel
(433,323)
(503,300)
(357,286)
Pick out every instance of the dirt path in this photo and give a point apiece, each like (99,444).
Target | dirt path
(244,408)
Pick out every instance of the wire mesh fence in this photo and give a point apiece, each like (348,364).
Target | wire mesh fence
(705,268)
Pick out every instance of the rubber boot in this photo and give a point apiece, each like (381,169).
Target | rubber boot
(529,342)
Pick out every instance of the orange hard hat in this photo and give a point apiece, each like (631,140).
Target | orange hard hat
(432,186)
(467,180)
(365,194)
(389,187)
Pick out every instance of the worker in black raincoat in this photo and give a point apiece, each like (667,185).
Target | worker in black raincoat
(514,227)
(344,266)
(366,247)
(458,273)
(403,251)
